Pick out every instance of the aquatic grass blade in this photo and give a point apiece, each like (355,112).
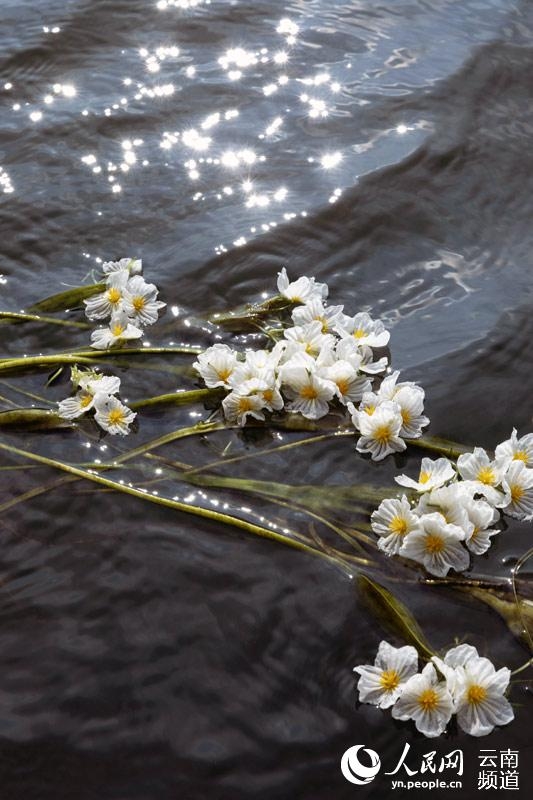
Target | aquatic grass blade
(393,615)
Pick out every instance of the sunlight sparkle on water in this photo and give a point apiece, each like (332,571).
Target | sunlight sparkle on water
(232,158)
(195,140)
(5,182)
(162,5)
(330,160)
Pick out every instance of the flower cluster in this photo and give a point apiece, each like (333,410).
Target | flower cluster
(97,392)
(324,357)
(462,683)
(456,507)
(128,302)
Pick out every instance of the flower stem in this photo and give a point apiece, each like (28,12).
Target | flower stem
(176,398)
(13,316)
(178,505)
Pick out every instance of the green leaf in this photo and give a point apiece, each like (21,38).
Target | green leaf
(249,317)
(517,613)
(32,419)
(53,377)
(392,615)
(72,298)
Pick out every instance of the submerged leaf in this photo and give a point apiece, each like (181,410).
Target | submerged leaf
(517,613)
(393,615)
(250,317)
(72,298)
(32,419)
(333,496)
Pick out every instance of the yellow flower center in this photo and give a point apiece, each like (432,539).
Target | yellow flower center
(309,393)
(398,526)
(382,434)
(117,329)
(116,416)
(86,400)
(224,373)
(325,326)
(486,475)
(476,694)
(138,303)
(517,492)
(406,416)
(428,700)
(475,533)
(114,296)
(310,349)
(369,410)
(424,477)
(521,455)
(268,395)
(434,544)
(343,385)
(359,333)
(389,680)
(245,404)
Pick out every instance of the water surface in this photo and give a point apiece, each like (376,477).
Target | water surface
(384,148)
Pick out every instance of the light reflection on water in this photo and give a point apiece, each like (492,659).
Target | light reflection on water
(257,140)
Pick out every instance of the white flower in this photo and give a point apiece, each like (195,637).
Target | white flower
(302,290)
(361,358)
(411,402)
(515,449)
(455,657)
(485,474)
(269,391)
(112,415)
(310,337)
(391,521)
(90,384)
(518,486)
(96,383)
(478,692)
(216,365)
(245,401)
(109,302)
(257,364)
(263,359)
(427,701)
(432,474)
(140,301)
(437,545)
(482,515)
(73,407)
(131,265)
(368,364)
(350,385)
(451,503)
(369,402)
(381,683)
(390,387)
(120,329)
(380,431)
(364,330)
(315,310)
(310,394)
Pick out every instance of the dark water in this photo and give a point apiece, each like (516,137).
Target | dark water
(387,149)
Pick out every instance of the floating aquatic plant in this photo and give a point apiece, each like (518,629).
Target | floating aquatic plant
(322,373)
(462,683)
